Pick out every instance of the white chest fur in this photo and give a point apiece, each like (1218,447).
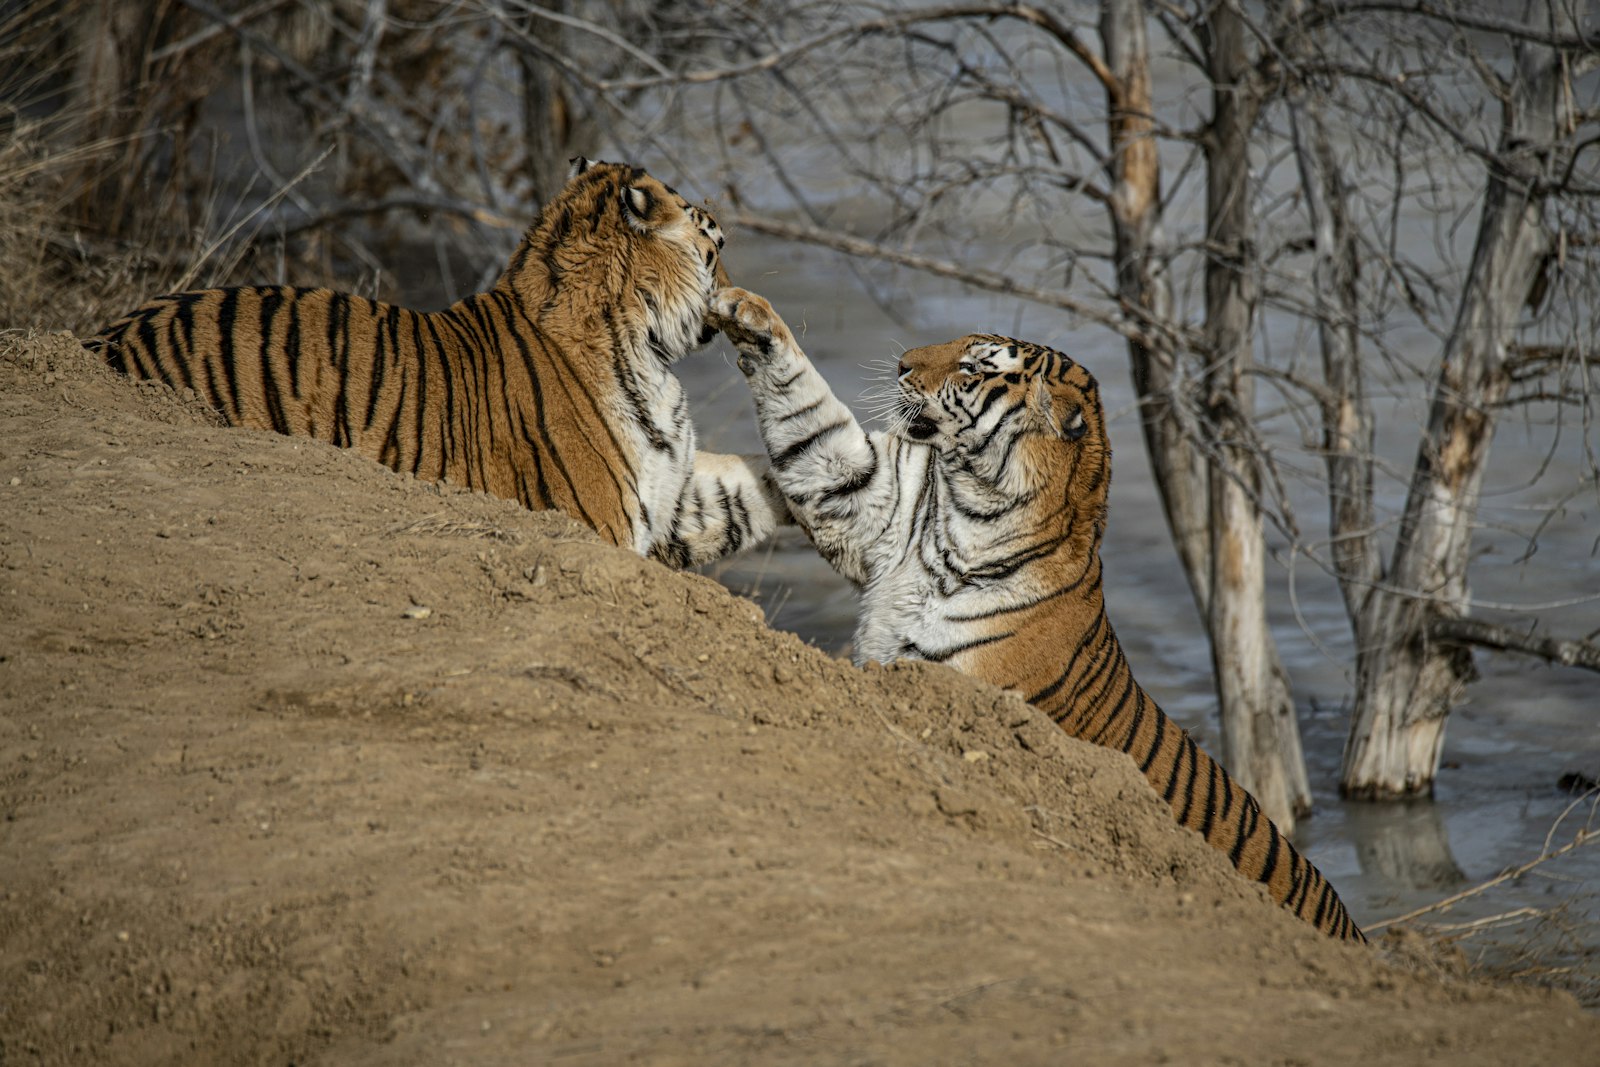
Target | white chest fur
(900,608)
(923,598)
(664,456)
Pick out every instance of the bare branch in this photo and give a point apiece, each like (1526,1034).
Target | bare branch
(977,277)
(883,26)
(1461,18)
(1468,631)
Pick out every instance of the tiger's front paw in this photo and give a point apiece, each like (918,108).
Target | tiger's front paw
(748,321)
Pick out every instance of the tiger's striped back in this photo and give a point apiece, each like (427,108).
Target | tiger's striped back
(553,388)
(973,529)
(398,386)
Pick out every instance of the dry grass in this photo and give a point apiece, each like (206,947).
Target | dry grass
(59,273)
(443,526)
(1552,946)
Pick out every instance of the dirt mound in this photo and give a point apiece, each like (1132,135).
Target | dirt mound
(303,761)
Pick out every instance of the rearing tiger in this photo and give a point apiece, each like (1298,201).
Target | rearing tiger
(553,388)
(973,530)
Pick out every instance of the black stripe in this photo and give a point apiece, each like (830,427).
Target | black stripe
(1006,566)
(1274,845)
(447,374)
(622,371)
(1177,768)
(227,316)
(544,437)
(382,328)
(291,343)
(1322,904)
(1135,720)
(111,343)
(271,302)
(1050,690)
(1194,773)
(988,402)
(1212,770)
(791,453)
(146,354)
(472,390)
(1156,744)
(626,487)
(1248,812)
(988,438)
(1300,877)
(421,365)
(1128,690)
(179,355)
(944,654)
(853,483)
(808,409)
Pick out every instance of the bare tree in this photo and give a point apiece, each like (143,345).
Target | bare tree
(1412,662)
(1190,175)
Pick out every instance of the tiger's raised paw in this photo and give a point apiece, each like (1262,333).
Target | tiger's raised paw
(748,321)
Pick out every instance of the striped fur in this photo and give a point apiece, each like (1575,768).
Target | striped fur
(554,388)
(973,530)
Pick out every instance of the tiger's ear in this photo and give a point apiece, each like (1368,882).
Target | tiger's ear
(1064,417)
(638,205)
(577,165)
(1074,425)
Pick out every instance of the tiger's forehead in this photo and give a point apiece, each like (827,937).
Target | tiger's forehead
(995,353)
(987,353)
(605,178)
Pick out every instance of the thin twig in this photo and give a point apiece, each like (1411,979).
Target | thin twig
(189,275)
(1582,837)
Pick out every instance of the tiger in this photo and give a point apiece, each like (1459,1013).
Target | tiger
(972,528)
(553,388)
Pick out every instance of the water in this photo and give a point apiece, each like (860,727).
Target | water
(1522,726)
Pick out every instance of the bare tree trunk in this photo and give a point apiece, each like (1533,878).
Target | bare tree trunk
(108,88)
(1260,736)
(1347,423)
(1406,682)
(545,122)
(1145,291)
(1265,755)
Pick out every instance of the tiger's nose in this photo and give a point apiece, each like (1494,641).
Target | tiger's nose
(904,371)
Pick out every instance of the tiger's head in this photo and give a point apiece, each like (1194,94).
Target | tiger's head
(615,238)
(1019,417)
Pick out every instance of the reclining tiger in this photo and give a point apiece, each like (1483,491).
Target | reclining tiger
(553,388)
(973,531)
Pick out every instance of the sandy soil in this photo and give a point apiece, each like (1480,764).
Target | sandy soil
(304,762)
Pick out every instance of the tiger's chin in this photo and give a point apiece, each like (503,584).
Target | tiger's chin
(921,429)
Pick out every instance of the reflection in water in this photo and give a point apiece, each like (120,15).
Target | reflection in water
(1404,844)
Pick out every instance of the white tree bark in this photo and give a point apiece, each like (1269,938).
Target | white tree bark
(1260,734)
(1145,290)
(1347,422)
(1260,737)
(1407,682)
